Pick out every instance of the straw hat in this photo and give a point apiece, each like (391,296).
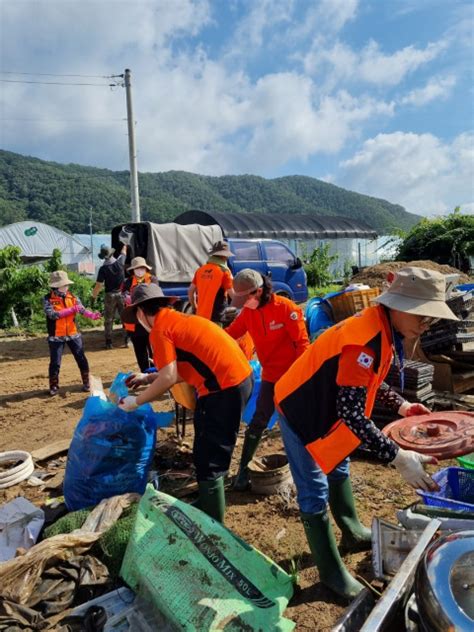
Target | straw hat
(58,278)
(418,291)
(138,262)
(220,249)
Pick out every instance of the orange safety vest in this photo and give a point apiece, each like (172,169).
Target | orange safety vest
(306,394)
(65,326)
(145,279)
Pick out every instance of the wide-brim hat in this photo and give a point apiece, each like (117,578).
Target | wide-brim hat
(138,262)
(142,294)
(220,249)
(106,252)
(58,278)
(418,291)
(245,282)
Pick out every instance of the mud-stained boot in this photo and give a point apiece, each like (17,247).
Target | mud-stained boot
(212,498)
(322,543)
(53,385)
(86,387)
(355,537)
(251,441)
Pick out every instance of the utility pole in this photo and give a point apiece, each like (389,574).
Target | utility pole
(132,149)
(90,233)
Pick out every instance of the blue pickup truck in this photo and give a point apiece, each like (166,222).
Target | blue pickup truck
(176,251)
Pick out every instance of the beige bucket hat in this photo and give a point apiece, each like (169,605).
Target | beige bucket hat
(58,278)
(138,262)
(418,291)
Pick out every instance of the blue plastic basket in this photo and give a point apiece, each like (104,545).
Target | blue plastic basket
(456,489)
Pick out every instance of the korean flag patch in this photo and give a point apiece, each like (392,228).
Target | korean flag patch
(364,360)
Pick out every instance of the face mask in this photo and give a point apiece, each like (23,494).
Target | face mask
(139,272)
(63,289)
(143,321)
(252,303)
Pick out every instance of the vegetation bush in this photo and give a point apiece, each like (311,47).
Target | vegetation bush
(446,240)
(22,287)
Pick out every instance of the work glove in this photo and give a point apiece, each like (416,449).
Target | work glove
(67,311)
(410,465)
(410,410)
(128,404)
(92,315)
(136,379)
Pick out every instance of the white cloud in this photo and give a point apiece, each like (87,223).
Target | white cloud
(370,65)
(418,171)
(436,88)
(326,17)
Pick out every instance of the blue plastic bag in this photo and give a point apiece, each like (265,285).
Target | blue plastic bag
(252,403)
(111,452)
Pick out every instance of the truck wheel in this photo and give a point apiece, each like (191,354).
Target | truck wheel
(283,293)
(186,307)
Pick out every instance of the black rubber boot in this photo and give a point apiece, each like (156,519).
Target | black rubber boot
(355,537)
(53,385)
(251,441)
(322,543)
(108,344)
(86,387)
(212,498)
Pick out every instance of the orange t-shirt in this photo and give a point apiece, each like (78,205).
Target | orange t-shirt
(206,356)
(212,282)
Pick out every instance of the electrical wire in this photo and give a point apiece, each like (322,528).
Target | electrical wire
(50,74)
(59,83)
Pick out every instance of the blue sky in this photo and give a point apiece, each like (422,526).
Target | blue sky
(372,95)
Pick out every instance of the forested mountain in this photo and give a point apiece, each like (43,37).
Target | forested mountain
(64,195)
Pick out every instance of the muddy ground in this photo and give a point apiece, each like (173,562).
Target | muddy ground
(30,418)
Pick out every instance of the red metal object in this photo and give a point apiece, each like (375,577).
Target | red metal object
(444,435)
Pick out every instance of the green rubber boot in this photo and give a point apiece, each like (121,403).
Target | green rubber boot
(322,543)
(212,498)
(251,441)
(355,537)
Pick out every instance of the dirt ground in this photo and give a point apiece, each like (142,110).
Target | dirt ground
(30,418)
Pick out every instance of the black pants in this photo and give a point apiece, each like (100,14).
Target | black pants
(142,348)
(264,408)
(216,425)
(56,353)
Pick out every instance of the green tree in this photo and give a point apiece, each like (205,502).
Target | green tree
(318,267)
(446,240)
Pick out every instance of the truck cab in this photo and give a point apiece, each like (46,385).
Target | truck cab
(274,259)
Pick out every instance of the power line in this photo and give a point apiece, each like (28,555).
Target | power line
(50,74)
(58,83)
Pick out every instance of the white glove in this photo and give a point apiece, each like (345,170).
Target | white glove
(410,466)
(128,403)
(136,379)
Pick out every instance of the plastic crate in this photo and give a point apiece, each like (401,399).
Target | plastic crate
(466,461)
(349,303)
(456,489)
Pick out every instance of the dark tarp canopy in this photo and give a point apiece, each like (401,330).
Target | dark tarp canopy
(276,226)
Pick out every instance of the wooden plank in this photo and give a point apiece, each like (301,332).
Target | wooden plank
(50,450)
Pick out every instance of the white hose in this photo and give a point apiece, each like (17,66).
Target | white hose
(16,474)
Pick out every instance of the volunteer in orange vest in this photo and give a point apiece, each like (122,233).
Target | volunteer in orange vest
(140,273)
(278,331)
(211,286)
(326,400)
(61,307)
(196,351)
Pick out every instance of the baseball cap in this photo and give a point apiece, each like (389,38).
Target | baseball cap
(245,282)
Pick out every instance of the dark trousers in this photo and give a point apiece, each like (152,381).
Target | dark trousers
(264,408)
(142,348)
(216,425)
(56,353)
